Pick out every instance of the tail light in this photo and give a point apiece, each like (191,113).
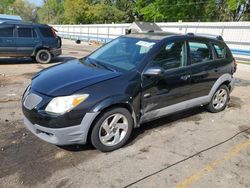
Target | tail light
(235,65)
(54,31)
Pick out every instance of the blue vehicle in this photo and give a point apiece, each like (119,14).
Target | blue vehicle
(20,39)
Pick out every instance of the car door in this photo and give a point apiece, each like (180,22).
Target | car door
(7,40)
(203,69)
(161,92)
(26,41)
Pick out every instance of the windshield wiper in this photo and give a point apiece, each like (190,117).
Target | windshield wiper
(97,63)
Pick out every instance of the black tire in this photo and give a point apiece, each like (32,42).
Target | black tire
(211,107)
(95,134)
(43,56)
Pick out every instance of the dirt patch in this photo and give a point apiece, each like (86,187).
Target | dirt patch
(242,82)
(245,128)
(34,160)
(7,80)
(9,100)
(28,75)
(235,103)
(145,149)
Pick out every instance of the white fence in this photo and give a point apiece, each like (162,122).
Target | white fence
(236,34)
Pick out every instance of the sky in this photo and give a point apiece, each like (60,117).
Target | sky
(36,2)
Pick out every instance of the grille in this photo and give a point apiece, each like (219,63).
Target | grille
(31,101)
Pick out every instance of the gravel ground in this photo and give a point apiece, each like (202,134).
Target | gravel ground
(162,153)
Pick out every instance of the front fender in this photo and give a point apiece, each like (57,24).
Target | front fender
(116,100)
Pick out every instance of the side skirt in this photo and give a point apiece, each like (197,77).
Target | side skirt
(174,108)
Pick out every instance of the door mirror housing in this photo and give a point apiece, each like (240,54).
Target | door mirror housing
(154,71)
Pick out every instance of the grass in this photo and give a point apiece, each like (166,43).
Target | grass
(241,62)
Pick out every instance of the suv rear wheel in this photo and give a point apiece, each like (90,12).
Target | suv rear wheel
(43,56)
(219,100)
(112,129)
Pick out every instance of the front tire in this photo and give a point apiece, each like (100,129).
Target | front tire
(112,129)
(43,56)
(219,100)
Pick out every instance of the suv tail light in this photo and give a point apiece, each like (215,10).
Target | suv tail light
(54,32)
(235,65)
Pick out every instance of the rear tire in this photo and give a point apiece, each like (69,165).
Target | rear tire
(43,56)
(112,129)
(219,100)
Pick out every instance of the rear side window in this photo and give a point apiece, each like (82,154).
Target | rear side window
(220,50)
(24,32)
(6,31)
(199,52)
(47,32)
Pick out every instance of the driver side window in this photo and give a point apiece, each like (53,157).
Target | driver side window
(172,55)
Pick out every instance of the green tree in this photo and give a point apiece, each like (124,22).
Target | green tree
(169,10)
(129,9)
(51,12)
(77,11)
(103,13)
(235,9)
(24,9)
(5,6)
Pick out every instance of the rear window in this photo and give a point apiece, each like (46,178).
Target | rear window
(25,32)
(47,32)
(199,52)
(6,31)
(220,50)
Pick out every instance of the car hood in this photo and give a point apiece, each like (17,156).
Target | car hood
(67,78)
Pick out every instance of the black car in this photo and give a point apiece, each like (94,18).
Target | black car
(20,39)
(133,79)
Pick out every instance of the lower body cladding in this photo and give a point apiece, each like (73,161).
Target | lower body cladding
(63,136)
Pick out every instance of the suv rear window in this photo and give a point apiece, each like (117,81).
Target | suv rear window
(47,32)
(220,51)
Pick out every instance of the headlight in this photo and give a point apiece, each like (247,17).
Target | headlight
(61,105)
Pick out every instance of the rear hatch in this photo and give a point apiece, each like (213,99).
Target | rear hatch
(50,37)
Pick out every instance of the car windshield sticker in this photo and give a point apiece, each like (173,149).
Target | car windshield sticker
(145,44)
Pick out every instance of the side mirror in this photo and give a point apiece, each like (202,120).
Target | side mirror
(154,71)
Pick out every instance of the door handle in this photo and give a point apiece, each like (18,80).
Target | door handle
(9,40)
(185,77)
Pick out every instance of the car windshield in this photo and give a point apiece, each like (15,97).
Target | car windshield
(122,54)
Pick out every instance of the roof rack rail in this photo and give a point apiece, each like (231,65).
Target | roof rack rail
(218,37)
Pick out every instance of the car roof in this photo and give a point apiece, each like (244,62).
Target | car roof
(152,35)
(23,23)
(158,36)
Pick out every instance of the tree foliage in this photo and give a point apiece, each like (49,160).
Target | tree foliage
(121,11)
(51,12)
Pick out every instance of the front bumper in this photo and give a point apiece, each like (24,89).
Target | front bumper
(63,136)
(56,52)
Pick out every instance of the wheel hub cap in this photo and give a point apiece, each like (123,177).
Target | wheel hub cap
(220,99)
(113,129)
